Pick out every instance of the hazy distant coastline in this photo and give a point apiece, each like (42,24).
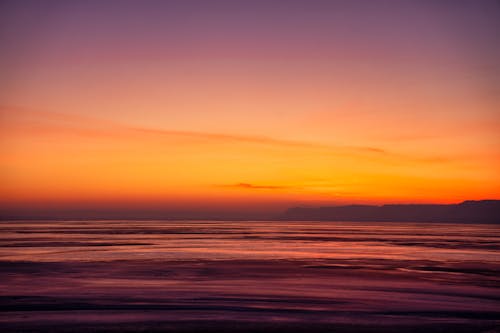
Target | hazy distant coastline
(483,211)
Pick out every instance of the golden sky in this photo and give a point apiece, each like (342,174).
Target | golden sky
(248,104)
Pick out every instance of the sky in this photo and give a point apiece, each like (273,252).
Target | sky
(246,106)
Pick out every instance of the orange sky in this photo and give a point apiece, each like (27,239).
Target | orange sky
(269,110)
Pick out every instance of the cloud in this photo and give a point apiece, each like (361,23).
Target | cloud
(60,124)
(263,140)
(370,149)
(229,137)
(255,187)
(52,122)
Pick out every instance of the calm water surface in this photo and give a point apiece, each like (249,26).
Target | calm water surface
(303,275)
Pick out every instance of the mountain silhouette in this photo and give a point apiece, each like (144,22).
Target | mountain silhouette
(483,211)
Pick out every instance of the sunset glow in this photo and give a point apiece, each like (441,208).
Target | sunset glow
(254,105)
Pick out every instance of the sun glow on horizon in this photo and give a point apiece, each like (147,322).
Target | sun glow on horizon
(263,107)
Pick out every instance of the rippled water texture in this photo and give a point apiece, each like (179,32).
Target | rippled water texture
(67,276)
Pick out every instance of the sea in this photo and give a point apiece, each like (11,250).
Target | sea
(248,276)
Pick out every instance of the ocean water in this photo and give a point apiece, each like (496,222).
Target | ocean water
(226,276)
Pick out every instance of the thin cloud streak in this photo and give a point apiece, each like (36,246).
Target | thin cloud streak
(50,123)
(59,122)
(318,188)
(255,187)
(264,140)
(44,122)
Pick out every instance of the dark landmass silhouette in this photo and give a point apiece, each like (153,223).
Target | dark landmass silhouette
(482,211)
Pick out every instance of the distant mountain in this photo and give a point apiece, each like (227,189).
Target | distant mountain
(483,211)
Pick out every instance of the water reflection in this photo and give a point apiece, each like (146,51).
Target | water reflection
(308,272)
